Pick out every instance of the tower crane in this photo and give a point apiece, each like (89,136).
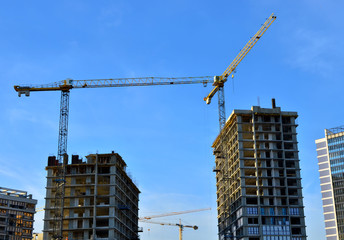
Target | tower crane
(66,85)
(219,81)
(147,219)
(41,209)
(180,225)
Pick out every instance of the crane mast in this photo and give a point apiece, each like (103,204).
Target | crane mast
(63,125)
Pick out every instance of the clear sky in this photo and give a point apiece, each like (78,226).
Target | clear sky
(164,133)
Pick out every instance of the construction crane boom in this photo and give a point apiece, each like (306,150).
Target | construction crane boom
(172,224)
(143,219)
(220,80)
(66,85)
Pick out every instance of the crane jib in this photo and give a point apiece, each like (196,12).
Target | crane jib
(220,80)
(68,84)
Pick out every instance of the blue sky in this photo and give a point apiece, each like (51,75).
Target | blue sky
(164,133)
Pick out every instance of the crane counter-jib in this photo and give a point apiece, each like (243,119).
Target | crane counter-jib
(35,89)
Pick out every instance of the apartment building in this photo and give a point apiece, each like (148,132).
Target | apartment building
(259,193)
(330,154)
(100,201)
(17,210)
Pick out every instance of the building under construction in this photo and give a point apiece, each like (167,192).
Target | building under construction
(17,210)
(259,193)
(100,199)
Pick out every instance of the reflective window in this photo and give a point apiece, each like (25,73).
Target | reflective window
(327,201)
(323,166)
(327,194)
(322,159)
(328,209)
(322,152)
(321,144)
(329,216)
(252,210)
(324,173)
(325,180)
(331,231)
(326,187)
(330,224)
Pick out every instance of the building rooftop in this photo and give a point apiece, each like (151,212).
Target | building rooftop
(14,192)
(257,110)
(334,131)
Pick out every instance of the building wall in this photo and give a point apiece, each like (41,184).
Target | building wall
(101,201)
(330,154)
(17,211)
(259,194)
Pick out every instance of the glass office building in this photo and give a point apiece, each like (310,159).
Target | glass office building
(330,151)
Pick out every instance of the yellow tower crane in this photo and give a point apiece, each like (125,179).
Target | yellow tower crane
(219,81)
(147,219)
(66,85)
(180,225)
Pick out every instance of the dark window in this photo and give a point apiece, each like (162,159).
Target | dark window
(252,220)
(271,201)
(293,201)
(296,230)
(251,201)
(295,220)
(286,120)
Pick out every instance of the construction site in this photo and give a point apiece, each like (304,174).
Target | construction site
(258,176)
(100,200)
(165,120)
(257,172)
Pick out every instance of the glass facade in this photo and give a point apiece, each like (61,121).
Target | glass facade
(330,151)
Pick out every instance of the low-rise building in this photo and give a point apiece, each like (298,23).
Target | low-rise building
(100,200)
(17,210)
